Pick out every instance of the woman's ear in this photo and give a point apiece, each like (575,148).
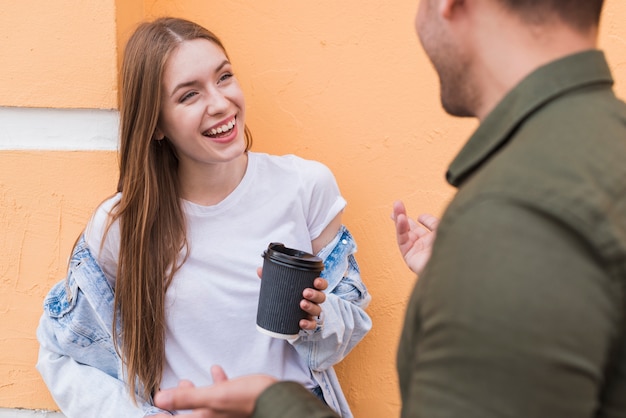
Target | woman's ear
(158,135)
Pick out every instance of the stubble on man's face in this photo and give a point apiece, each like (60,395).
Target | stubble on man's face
(457,92)
(453,65)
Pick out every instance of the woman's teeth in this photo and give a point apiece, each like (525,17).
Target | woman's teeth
(222,129)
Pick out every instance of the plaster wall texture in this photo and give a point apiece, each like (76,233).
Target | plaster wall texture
(58,54)
(345,83)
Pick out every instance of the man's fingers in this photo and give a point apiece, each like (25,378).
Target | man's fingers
(398,209)
(182,398)
(218,374)
(429,221)
(185,384)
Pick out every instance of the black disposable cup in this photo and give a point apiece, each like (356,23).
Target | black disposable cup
(286,273)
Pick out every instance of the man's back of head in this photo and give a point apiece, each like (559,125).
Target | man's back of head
(579,14)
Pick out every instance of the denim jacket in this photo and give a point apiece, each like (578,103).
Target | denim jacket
(77,357)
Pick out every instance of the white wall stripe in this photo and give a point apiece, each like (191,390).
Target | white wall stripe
(24,128)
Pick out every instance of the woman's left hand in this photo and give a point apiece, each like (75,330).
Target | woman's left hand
(313,298)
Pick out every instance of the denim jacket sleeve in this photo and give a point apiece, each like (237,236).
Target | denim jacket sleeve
(77,358)
(343,322)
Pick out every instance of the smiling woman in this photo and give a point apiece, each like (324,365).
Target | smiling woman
(163,283)
(202,114)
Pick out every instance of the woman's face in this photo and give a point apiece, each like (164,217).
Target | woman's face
(202,106)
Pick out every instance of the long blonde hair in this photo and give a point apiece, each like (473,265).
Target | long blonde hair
(152,223)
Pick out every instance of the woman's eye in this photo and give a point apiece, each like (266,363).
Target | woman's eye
(187,96)
(225,77)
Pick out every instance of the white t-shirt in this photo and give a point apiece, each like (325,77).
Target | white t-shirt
(212,301)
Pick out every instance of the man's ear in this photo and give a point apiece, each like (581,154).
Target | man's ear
(448,8)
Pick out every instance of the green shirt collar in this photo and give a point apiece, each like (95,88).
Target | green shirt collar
(541,86)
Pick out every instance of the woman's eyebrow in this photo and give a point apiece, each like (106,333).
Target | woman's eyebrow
(192,82)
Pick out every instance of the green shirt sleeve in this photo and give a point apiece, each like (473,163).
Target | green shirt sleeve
(515,316)
(288,400)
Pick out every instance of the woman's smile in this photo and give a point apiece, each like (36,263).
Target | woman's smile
(203,107)
(223,131)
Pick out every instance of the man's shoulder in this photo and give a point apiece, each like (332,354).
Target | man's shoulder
(569,169)
(573,149)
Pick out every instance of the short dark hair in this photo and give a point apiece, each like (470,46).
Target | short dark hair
(580,14)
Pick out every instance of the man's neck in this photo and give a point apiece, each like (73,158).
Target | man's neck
(506,60)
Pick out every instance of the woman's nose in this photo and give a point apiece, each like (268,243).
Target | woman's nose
(217,102)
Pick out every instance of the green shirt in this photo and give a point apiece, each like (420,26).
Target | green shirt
(520,311)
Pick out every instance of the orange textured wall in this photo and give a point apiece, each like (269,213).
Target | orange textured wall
(58,53)
(45,199)
(344,82)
